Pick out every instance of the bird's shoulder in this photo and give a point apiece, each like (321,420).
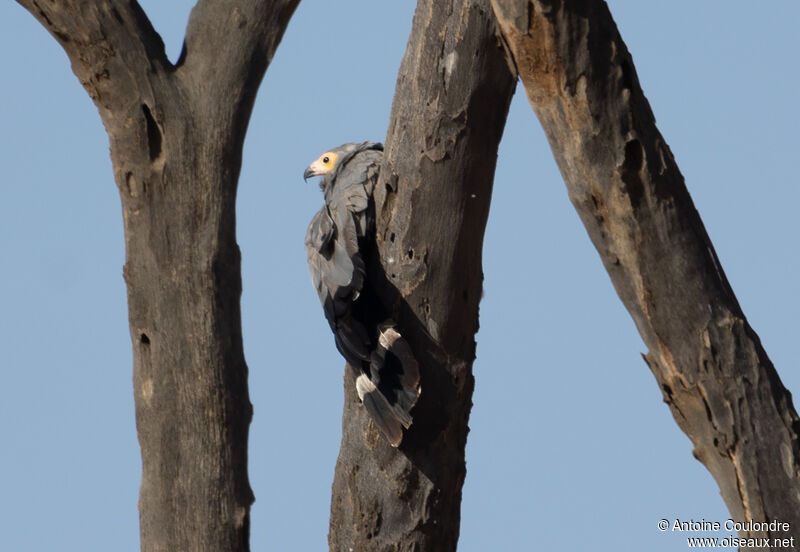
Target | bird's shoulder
(353,184)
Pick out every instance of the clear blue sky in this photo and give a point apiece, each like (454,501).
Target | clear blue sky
(570,446)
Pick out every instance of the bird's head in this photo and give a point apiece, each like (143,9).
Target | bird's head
(323,165)
(328,163)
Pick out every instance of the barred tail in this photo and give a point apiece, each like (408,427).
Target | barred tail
(391,389)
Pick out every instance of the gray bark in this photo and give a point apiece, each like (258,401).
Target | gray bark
(176,134)
(715,376)
(432,200)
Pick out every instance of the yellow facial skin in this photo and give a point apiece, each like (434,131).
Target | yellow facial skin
(323,165)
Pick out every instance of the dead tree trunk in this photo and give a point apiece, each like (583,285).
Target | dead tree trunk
(716,378)
(176,134)
(453,92)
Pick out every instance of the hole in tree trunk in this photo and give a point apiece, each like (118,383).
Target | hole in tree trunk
(153,134)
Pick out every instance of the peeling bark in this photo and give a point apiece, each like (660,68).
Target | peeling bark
(432,200)
(623,180)
(176,134)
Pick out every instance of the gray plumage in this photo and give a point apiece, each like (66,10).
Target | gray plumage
(339,242)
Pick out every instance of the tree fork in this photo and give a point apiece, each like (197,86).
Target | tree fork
(176,135)
(621,176)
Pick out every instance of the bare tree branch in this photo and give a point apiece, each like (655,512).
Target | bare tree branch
(432,200)
(111,45)
(228,46)
(176,138)
(623,180)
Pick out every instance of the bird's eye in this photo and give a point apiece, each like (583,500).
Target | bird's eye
(326,159)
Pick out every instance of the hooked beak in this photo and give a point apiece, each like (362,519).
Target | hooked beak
(315,169)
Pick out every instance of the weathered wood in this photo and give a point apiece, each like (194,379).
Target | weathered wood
(716,378)
(453,92)
(176,135)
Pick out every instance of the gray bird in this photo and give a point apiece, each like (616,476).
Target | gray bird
(339,246)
